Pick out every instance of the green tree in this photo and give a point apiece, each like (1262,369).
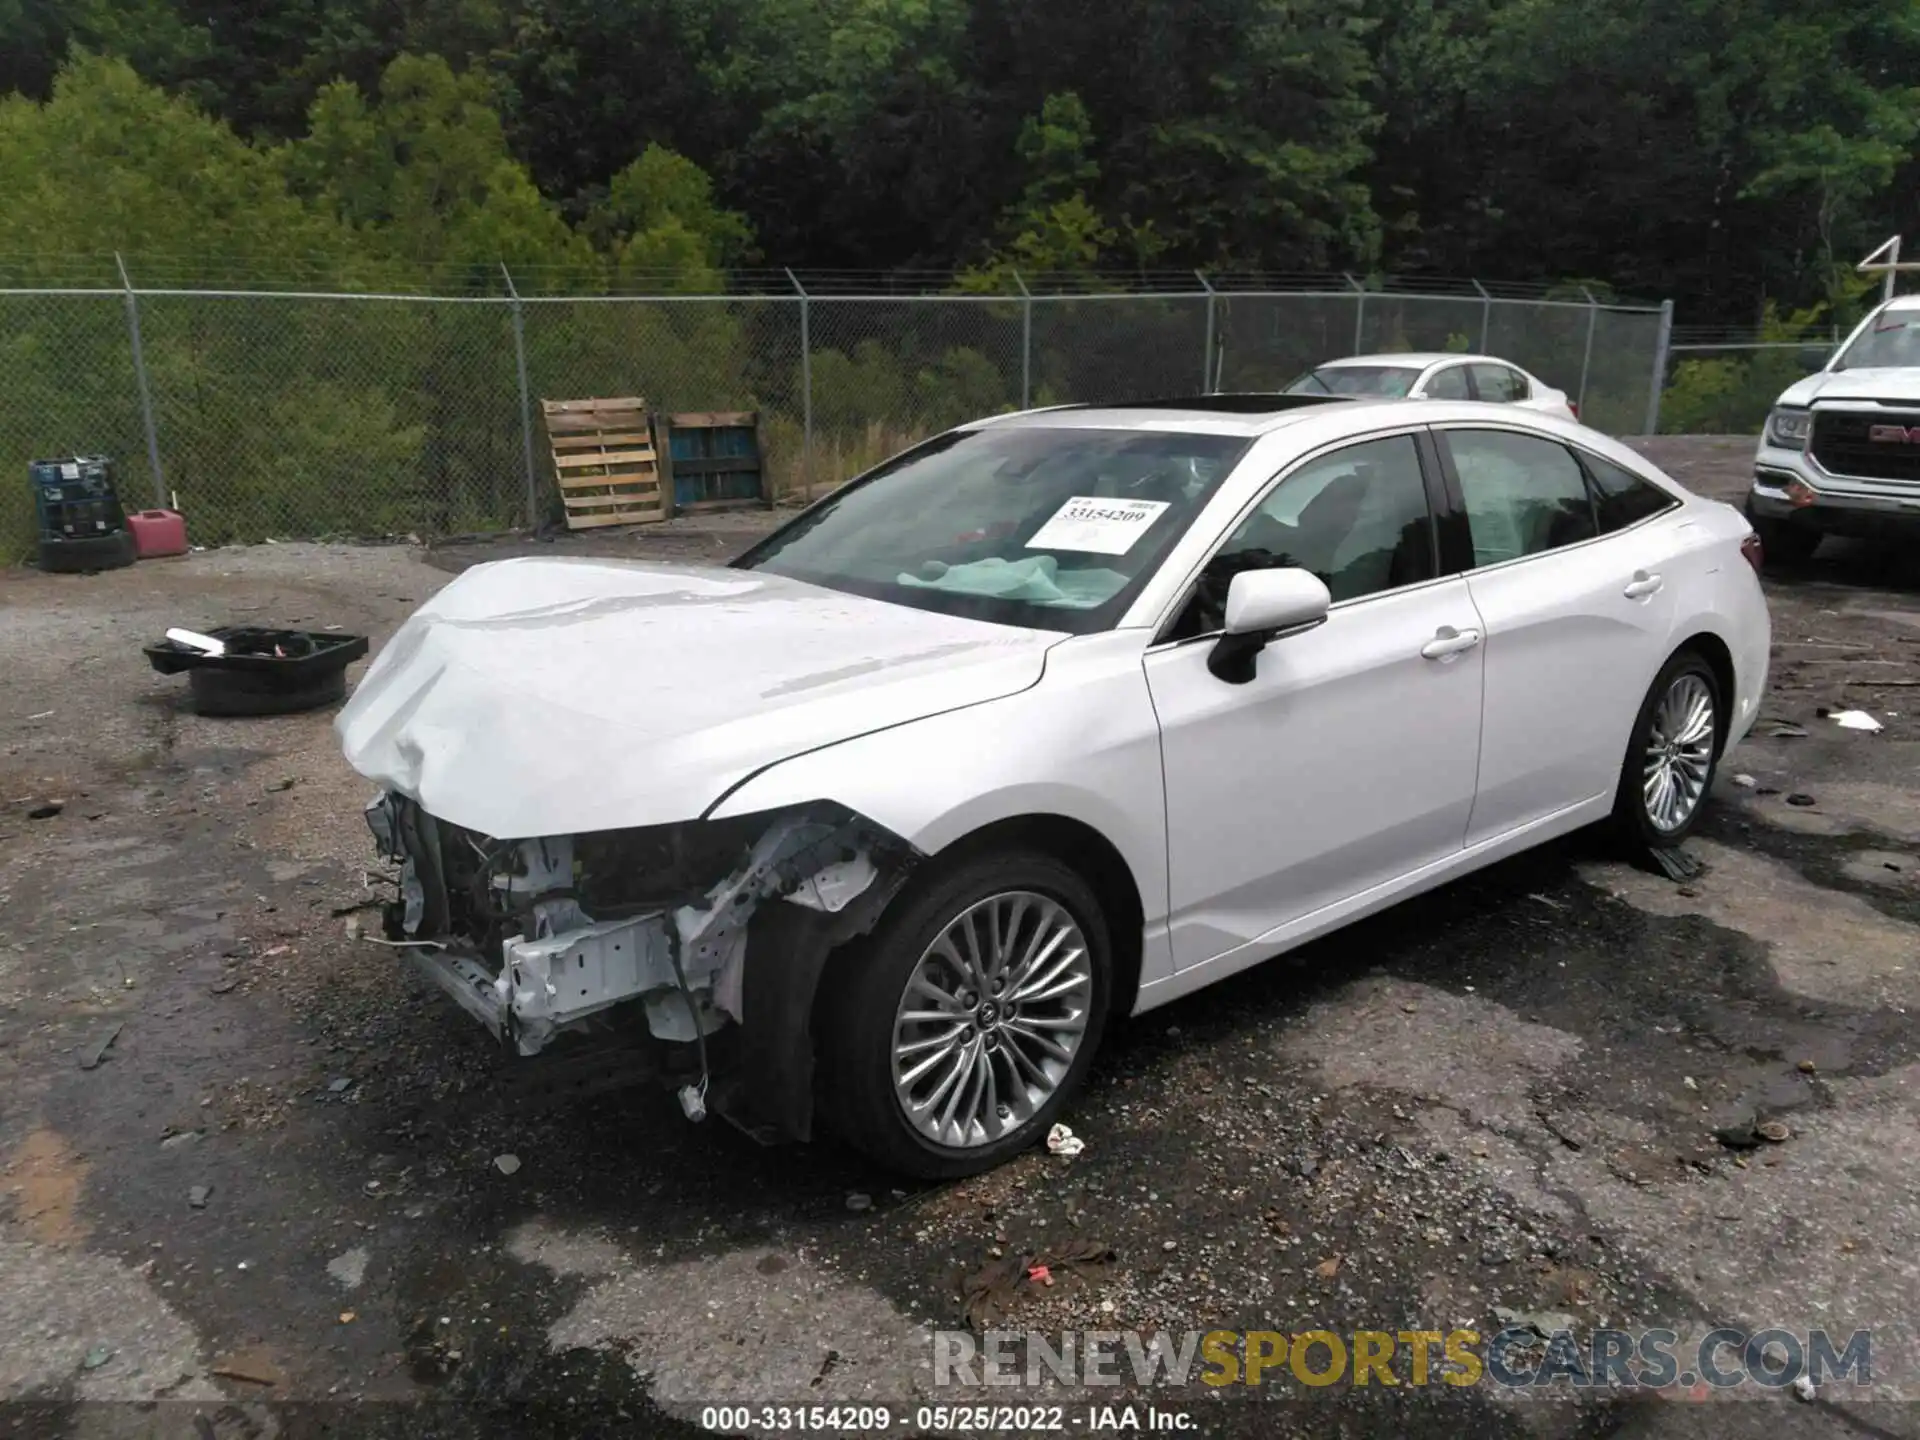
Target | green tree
(661,226)
(1716,150)
(1052,230)
(111,163)
(424,176)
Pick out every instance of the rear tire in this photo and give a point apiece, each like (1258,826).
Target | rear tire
(1672,755)
(1001,1048)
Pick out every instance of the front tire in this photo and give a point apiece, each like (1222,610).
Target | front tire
(959,1030)
(1671,758)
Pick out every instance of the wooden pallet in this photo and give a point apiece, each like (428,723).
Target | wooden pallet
(604,462)
(713,460)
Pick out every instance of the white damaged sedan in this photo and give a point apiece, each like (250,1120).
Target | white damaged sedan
(1049,720)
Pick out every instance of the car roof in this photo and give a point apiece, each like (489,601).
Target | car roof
(1410,358)
(1322,417)
(1903,302)
(1235,414)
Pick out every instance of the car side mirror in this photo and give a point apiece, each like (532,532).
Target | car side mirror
(1263,606)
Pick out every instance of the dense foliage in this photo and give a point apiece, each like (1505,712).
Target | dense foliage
(1735,155)
(1720,151)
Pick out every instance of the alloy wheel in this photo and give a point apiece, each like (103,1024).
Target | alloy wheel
(1679,753)
(991,1019)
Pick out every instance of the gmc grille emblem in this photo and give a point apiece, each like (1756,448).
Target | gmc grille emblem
(1894,434)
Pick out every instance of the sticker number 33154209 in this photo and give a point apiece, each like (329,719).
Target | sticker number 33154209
(1097,524)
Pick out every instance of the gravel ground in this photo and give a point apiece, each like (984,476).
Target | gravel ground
(280,1188)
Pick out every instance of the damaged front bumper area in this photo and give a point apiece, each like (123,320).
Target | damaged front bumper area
(706,929)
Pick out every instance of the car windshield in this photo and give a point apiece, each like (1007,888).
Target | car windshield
(1052,528)
(1394,380)
(1892,340)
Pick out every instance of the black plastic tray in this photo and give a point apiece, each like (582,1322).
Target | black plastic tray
(309,669)
(306,654)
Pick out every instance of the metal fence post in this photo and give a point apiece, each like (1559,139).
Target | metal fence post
(1662,347)
(1026,342)
(806,388)
(1486,317)
(1586,362)
(526,397)
(1359,310)
(140,380)
(1208,378)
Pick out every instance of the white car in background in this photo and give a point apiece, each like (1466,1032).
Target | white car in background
(1435,375)
(1048,721)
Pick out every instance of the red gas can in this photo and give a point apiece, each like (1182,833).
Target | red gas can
(158,532)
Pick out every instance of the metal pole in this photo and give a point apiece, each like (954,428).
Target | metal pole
(1359,311)
(806,387)
(1893,274)
(1661,349)
(1208,379)
(526,398)
(140,380)
(1486,317)
(1586,363)
(1026,342)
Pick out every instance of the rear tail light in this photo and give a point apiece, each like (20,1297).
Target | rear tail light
(1754,551)
(1574,406)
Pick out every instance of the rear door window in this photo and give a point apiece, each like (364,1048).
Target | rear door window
(1524,494)
(1449,383)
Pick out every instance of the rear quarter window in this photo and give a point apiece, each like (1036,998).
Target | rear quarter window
(1621,497)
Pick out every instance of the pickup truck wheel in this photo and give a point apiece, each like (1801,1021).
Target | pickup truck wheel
(960,1029)
(1784,543)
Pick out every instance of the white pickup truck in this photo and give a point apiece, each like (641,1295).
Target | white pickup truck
(1840,452)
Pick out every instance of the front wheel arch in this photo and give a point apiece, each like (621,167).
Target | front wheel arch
(861,992)
(1085,850)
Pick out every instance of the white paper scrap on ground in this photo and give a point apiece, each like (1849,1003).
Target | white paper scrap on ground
(1062,1141)
(1097,525)
(1855,720)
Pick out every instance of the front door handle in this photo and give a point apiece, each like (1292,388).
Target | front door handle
(1449,641)
(1642,585)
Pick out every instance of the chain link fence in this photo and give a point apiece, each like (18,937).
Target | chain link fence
(298,415)
(1724,381)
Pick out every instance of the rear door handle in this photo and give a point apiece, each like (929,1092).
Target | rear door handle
(1449,641)
(1642,585)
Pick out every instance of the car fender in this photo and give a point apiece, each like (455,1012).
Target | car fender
(1082,744)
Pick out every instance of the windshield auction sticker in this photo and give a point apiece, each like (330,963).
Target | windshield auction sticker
(1096,525)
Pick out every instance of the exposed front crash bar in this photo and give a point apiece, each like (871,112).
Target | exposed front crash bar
(469,982)
(553,982)
(686,964)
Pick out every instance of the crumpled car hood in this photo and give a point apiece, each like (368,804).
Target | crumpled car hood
(1878,383)
(553,696)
